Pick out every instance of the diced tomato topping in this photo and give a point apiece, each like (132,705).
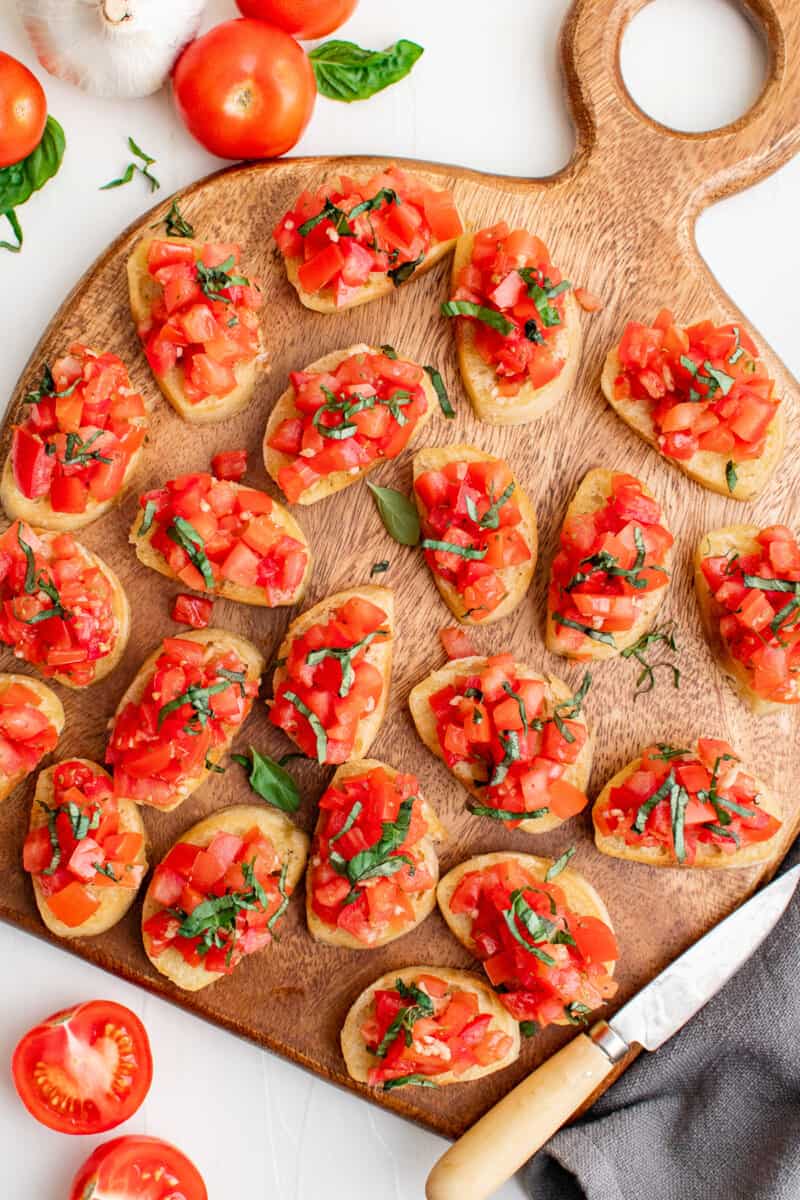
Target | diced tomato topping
(705,387)
(26,733)
(230,464)
(681,801)
(456,642)
(397,220)
(510,273)
(192,610)
(196,697)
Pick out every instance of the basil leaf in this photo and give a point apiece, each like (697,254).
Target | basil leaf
(317,727)
(384,196)
(678,800)
(441,393)
(19,181)
(722,380)
(349,822)
(504,814)
(16,230)
(596,634)
(186,536)
(528,1028)
(489,316)
(761,584)
(568,710)
(147,519)
(344,655)
(451,548)
(213,280)
(404,1080)
(731,477)
(403,273)
(381,858)
(557,867)
(399,515)
(176,223)
(389,351)
(645,809)
(379,568)
(647,679)
(269,781)
(510,743)
(347,72)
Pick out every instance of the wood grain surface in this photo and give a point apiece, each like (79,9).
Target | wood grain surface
(619,219)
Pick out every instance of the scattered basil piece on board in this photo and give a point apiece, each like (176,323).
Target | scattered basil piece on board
(731,477)
(269,780)
(558,866)
(19,181)
(398,514)
(528,1028)
(379,568)
(403,273)
(131,168)
(441,393)
(347,72)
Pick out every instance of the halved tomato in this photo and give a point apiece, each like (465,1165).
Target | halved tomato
(138,1168)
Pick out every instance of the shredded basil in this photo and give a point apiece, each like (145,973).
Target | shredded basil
(570,710)
(441,393)
(147,519)
(186,536)
(317,728)
(380,859)
(128,174)
(379,568)
(731,476)
(450,548)
(405,1080)
(403,273)
(528,1028)
(597,635)
(505,814)
(646,679)
(542,293)
(645,809)
(489,316)
(344,657)
(213,280)
(558,866)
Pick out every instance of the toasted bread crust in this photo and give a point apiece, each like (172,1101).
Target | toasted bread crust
(290,844)
(705,467)
(516,579)
(50,706)
(357,1057)
(228,641)
(379,654)
(142,289)
(423,903)
(556,690)
(530,403)
(114,901)
(594,490)
(284,408)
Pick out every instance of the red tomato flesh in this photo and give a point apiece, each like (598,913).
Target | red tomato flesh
(26,734)
(138,1168)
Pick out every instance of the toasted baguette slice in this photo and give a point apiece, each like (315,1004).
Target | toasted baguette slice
(517,579)
(208,637)
(150,557)
(378,653)
(114,901)
(480,380)
(740,539)
(422,903)
(467,774)
(705,466)
(285,408)
(358,1058)
(143,290)
(707,855)
(581,897)
(590,496)
(291,846)
(49,705)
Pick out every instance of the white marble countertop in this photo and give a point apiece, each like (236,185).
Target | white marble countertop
(258,1126)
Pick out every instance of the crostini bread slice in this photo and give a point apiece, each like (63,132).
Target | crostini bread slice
(291,846)
(479,378)
(516,579)
(581,897)
(143,289)
(708,855)
(467,774)
(211,637)
(378,653)
(704,467)
(284,409)
(735,539)
(228,590)
(592,494)
(114,901)
(358,1058)
(422,904)
(50,706)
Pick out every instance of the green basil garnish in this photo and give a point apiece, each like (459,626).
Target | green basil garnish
(186,536)
(269,780)
(489,316)
(558,866)
(441,393)
(399,515)
(19,181)
(317,728)
(347,72)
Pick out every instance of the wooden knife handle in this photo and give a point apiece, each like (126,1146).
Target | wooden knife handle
(494,1148)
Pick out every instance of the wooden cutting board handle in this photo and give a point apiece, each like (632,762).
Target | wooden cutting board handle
(497,1145)
(684,172)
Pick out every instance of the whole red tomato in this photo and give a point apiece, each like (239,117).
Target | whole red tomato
(245,90)
(301,18)
(23,110)
(138,1168)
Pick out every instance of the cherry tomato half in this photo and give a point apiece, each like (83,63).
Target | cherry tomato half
(23,110)
(245,90)
(84,1070)
(304,19)
(138,1168)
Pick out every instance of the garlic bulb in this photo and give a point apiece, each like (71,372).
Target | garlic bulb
(114,48)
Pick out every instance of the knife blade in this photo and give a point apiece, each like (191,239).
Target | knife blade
(528,1116)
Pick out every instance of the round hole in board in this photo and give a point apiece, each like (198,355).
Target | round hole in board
(693,65)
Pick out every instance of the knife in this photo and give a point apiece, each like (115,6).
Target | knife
(528,1116)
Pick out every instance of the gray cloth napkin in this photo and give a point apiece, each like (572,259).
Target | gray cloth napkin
(714,1114)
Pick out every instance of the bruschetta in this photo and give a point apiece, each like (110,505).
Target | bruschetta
(197,317)
(478,531)
(220,893)
(353,241)
(44,579)
(687,807)
(331,685)
(86,850)
(611,573)
(374,866)
(540,929)
(341,417)
(517,740)
(31,721)
(517,326)
(78,443)
(429,1027)
(215,535)
(748,590)
(702,397)
(180,714)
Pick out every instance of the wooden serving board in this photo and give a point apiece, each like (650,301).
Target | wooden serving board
(618,219)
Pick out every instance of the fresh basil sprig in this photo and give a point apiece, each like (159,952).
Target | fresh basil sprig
(19,181)
(398,514)
(269,780)
(345,71)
